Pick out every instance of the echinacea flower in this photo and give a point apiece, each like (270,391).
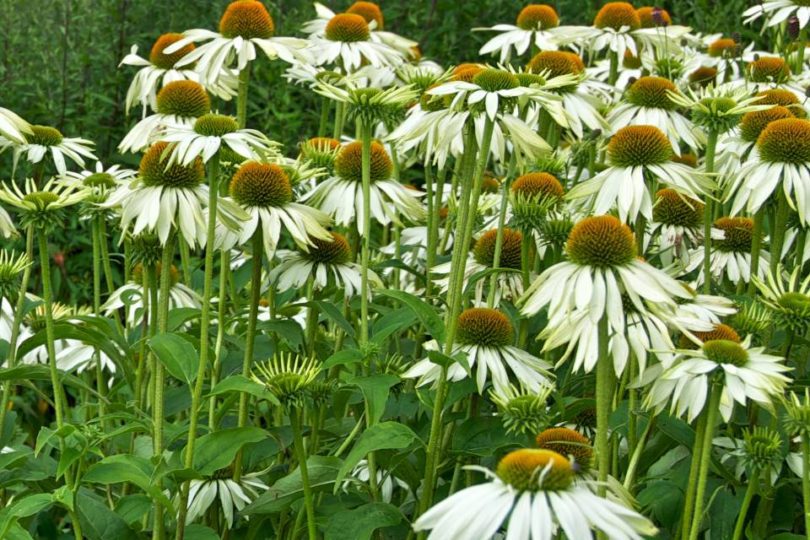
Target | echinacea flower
(232,495)
(778,11)
(521,410)
(637,154)
(485,336)
(12,266)
(652,101)
(731,254)
(603,278)
(99,183)
(676,226)
(788,300)
(163,198)
(736,148)
(781,159)
(373,15)
(265,193)
(212,132)
(43,140)
(347,41)
(287,376)
(129,296)
(42,207)
(386,481)
(160,70)
(341,195)
(325,261)
(537,491)
(179,103)
(12,127)
(531,29)
(743,372)
(244,27)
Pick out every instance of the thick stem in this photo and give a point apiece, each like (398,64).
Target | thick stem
(205,329)
(312,317)
(101,385)
(301,454)
(750,491)
(242,97)
(694,468)
(496,257)
(613,75)
(224,272)
(250,338)
(432,229)
(604,398)
(47,297)
(778,233)
(708,216)
(365,247)
(756,247)
(705,460)
(806,482)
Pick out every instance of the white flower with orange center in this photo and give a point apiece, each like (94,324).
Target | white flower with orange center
(532,28)
(636,156)
(40,141)
(486,337)
(159,69)
(244,27)
(537,491)
(777,12)
(179,103)
(676,226)
(743,373)
(341,195)
(731,252)
(347,43)
(781,160)
(602,278)
(373,15)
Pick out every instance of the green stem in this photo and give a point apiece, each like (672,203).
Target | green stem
(756,247)
(312,316)
(101,385)
(365,246)
(15,325)
(778,233)
(250,338)
(326,105)
(694,467)
(604,397)
(613,75)
(205,328)
(806,482)
(750,491)
(185,263)
(159,378)
(340,117)
(708,216)
(432,229)
(224,272)
(711,411)
(496,257)
(242,97)
(301,454)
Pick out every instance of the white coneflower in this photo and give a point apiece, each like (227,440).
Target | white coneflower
(601,279)
(373,16)
(676,226)
(536,489)
(244,27)
(44,140)
(485,336)
(634,153)
(580,100)
(782,156)
(341,195)
(530,29)
(232,495)
(160,70)
(212,132)
(42,207)
(162,198)
(347,40)
(99,182)
(731,254)
(130,296)
(325,261)
(12,127)
(178,103)
(508,283)
(778,11)
(737,147)
(788,300)
(265,192)
(386,481)
(742,371)
(652,101)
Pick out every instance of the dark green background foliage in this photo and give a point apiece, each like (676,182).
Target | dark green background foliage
(59,66)
(59,58)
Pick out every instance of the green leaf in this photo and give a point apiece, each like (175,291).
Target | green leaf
(344,358)
(723,513)
(40,372)
(384,436)
(322,472)
(360,523)
(195,531)
(217,450)
(392,322)
(126,468)
(177,355)
(424,311)
(180,316)
(482,437)
(331,311)
(240,383)
(99,522)
(288,331)
(375,389)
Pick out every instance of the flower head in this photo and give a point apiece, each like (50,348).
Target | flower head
(287,376)
(42,208)
(522,410)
